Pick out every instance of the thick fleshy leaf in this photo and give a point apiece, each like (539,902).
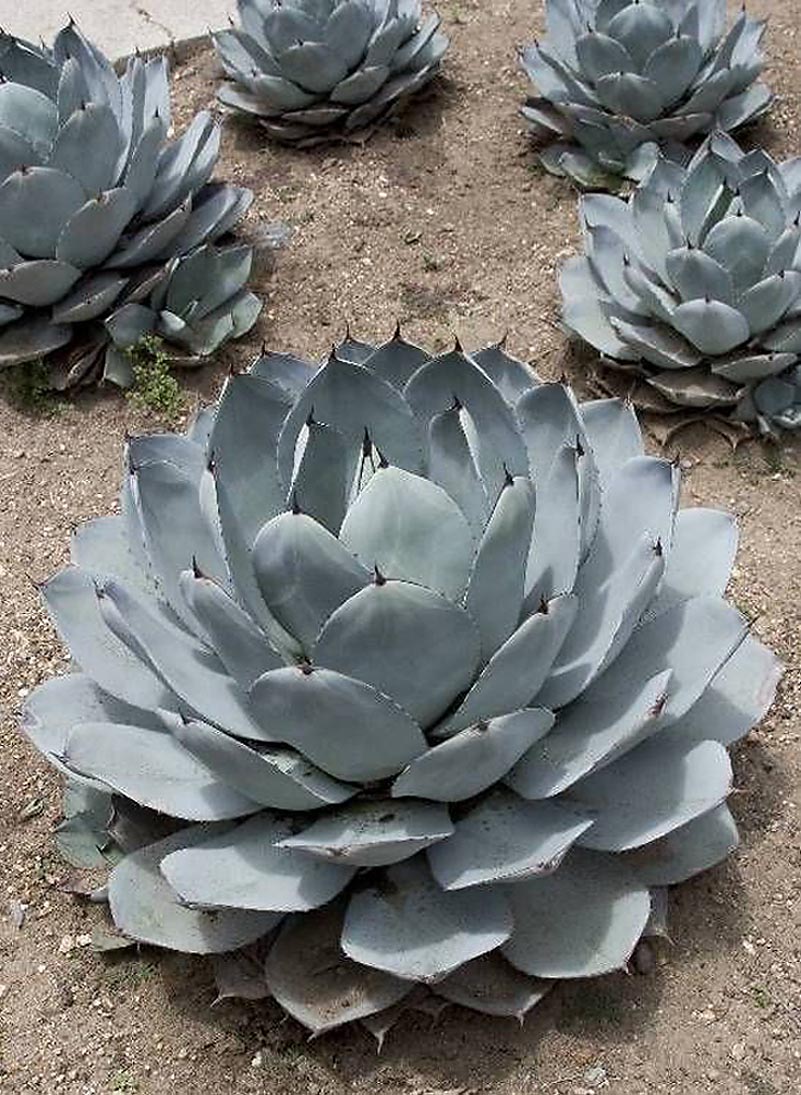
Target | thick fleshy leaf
(742,246)
(701,557)
(38,283)
(154,770)
(397,361)
(324,476)
(27,109)
(495,593)
(419,932)
(93,295)
(88,146)
(700,844)
(410,529)
(654,789)
(94,230)
(603,908)
(614,434)
(693,639)
(590,734)
(406,641)
(236,640)
(713,327)
(304,574)
(740,694)
(270,776)
(505,839)
(35,204)
(188,667)
(498,448)
(517,671)
(452,466)
(349,397)
(373,834)
(474,759)
(71,599)
(244,868)
(311,979)
(490,985)
(698,276)
(555,549)
(346,727)
(146,909)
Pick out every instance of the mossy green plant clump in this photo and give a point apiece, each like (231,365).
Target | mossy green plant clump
(155,387)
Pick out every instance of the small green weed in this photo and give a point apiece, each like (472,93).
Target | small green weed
(155,388)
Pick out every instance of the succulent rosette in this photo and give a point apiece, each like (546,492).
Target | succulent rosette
(617,77)
(694,282)
(95,200)
(406,673)
(320,70)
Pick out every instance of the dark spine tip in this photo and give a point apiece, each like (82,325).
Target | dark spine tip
(306,668)
(659,550)
(543,606)
(397,336)
(457,345)
(295,503)
(378,577)
(198,573)
(579,447)
(382,460)
(508,478)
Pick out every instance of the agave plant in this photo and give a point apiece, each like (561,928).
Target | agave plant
(694,282)
(615,77)
(320,70)
(431,674)
(200,304)
(94,199)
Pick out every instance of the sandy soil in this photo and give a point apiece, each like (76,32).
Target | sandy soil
(445,223)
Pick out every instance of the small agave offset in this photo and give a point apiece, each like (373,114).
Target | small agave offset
(321,70)
(429,673)
(694,283)
(98,209)
(617,77)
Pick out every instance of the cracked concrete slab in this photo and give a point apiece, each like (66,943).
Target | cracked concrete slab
(118,26)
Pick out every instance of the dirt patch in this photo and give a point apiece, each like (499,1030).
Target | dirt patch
(444,222)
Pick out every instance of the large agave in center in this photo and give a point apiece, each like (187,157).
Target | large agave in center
(429,671)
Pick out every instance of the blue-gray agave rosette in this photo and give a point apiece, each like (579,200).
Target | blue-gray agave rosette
(321,70)
(94,197)
(615,76)
(430,671)
(694,282)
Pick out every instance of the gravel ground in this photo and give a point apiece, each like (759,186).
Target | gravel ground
(445,223)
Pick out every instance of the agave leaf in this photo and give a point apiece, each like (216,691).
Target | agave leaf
(153,769)
(312,980)
(603,909)
(92,233)
(711,326)
(590,733)
(698,276)
(397,361)
(38,283)
(239,644)
(692,639)
(742,246)
(175,531)
(246,868)
(322,481)
(632,95)
(661,346)
(35,203)
(146,909)
(304,574)
(88,146)
(29,109)
(360,86)
(641,29)
(239,975)
(152,241)
(279,778)
(141,170)
(674,784)
(103,548)
(410,529)
(184,166)
(71,600)
(695,847)
(411,928)
(614,435)
(329,717)
(473,759)
(406,641)
(599,56)
(505,839)
(516,672)
(764,304)
(488,984)
(585,314)
(498,448)
(188,667)
(701,557)
(607,615)
(451,465)
(494,595)
(673,67)
(373,834)
(90,297)
(743,108)
(413,52)
(556,542)
(740,694)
